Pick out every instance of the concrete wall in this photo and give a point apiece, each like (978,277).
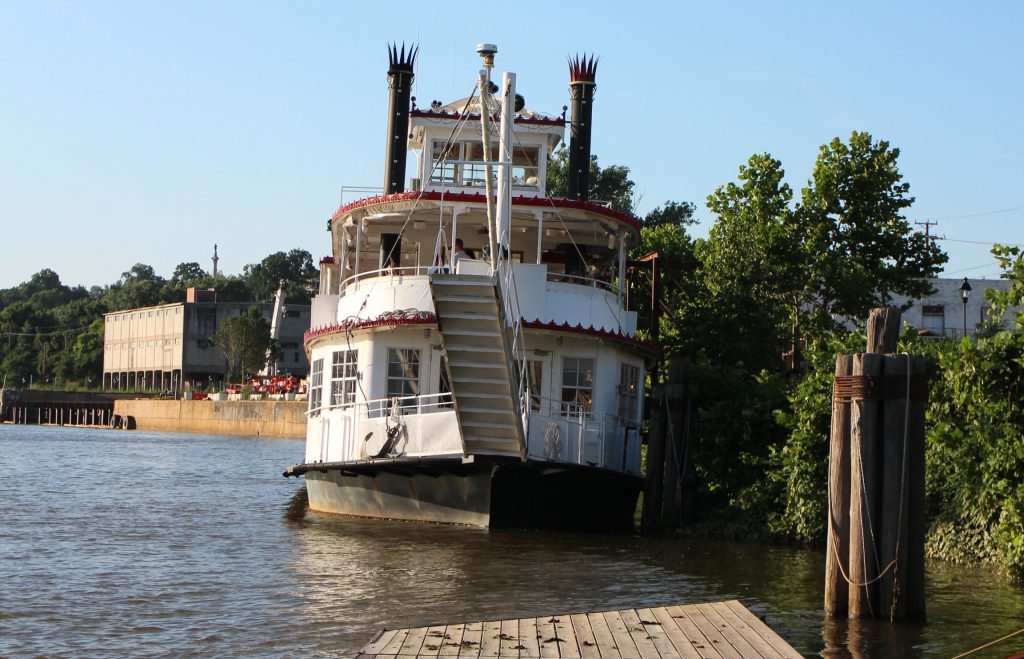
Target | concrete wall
(286,419)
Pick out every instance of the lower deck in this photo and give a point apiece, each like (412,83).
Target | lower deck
(705,630)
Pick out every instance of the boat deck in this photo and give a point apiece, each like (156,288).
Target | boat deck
(705,630)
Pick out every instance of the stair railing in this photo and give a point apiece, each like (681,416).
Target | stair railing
(510,303)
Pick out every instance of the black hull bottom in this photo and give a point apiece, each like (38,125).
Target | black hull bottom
(530,495)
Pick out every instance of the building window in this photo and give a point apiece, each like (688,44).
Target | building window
(316,387)
(933,319)
(343,377)
(577,385)
(629,389)
(403,372)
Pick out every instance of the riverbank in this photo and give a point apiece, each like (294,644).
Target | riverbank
(270,418)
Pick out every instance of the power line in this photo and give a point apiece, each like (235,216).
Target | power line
(978,242)
(999,212)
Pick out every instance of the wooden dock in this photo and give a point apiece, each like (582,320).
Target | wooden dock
(711,630)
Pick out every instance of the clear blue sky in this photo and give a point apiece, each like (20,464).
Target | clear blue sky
(147,132)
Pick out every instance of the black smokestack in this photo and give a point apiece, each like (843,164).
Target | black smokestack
(400,75)
(582,75)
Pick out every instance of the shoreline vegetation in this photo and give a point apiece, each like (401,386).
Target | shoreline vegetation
(754,311)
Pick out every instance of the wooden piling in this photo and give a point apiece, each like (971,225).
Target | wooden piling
(915,600)
(864,568)
(837,558)
(893,516)
(655,463)
(675,392)
(883,330)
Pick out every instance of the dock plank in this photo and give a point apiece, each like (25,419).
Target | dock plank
(569,645)
(546,637)
(740,645)
(603,636)
(528,635)
(623,639)
(584,636)
(384,636)
(709,630)
(684,644)
(453,641)
(509,637)
(471,640)
(641,637)
(490,639)
(396,642)
(656,634)
(414,641)
(760,645)
(705,630)
(764,631)
(701,642)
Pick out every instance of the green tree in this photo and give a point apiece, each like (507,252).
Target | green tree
(295,268)
(674,213)
(859,248)
(140,286)
(607,184)
(752,266)
(245,341)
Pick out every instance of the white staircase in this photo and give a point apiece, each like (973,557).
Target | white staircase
(481,371)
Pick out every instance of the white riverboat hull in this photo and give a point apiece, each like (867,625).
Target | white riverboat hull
(530,495)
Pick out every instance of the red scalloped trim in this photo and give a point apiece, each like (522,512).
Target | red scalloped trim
(422,318)
(476,197)
(647,346)
(451,116)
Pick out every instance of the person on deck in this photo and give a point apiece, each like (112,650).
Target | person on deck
(457,254)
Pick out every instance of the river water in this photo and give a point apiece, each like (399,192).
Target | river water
(134,543)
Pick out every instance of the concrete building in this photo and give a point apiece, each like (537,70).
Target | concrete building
(169,347)
(944,314)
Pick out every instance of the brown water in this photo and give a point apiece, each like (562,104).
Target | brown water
(132,543)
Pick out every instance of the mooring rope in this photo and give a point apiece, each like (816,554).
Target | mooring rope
(990,644)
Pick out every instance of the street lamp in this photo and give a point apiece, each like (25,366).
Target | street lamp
(965,292)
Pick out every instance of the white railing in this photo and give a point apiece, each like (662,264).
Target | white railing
(409,426)
(407,271)
(582,281)
(356,192)
(569,432)
(510,299)
(419,404)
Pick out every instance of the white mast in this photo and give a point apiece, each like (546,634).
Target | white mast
(508,114)
(486,52)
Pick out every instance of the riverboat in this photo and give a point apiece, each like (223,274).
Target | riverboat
(472,358)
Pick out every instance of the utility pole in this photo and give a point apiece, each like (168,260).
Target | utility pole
(928,224)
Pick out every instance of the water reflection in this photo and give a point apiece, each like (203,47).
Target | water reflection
(130,543)
(366,574)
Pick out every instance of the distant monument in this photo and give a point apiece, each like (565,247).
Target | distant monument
(215,259)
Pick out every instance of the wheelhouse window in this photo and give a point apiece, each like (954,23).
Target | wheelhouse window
(343,377)
(403,372)
(629,390)
(577,386)
(316,387)
(525,172)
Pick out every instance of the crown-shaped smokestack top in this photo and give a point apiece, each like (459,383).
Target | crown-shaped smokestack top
(400,74)
(582,69)
(400,60)
(582,76)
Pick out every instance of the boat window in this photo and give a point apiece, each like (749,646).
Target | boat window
(445,170)
(577,386)
(316,386)
(343,377)
(629,389)
(524,166)
(403,372)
